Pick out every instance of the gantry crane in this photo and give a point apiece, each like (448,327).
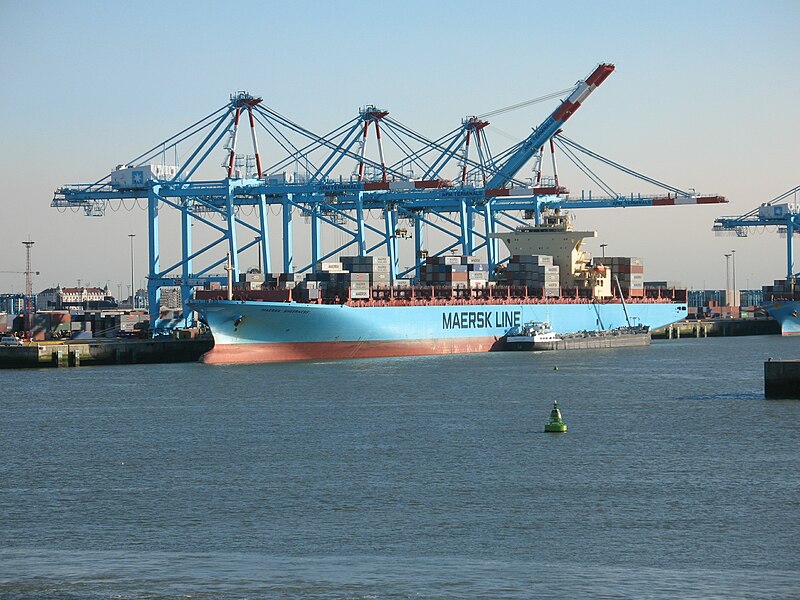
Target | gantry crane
(408,188)
(781,213)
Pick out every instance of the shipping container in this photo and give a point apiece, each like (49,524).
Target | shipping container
(478,275)
(329,266)
(532,259)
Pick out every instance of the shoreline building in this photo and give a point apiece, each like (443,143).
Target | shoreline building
(59,298)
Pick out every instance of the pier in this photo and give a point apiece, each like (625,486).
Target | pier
(782,379)
(717,328)
(76,353)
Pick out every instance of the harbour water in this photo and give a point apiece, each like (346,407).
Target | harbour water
(424,477)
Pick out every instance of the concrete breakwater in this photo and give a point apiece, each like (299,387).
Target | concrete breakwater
(103,352)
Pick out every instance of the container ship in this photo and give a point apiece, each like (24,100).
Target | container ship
(349,308)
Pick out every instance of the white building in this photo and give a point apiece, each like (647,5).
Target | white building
(59,297)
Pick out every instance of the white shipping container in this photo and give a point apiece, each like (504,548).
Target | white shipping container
(360,294)
(329,266)
(254,277)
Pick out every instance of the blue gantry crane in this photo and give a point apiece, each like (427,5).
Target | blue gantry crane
(781,213)
(334,184)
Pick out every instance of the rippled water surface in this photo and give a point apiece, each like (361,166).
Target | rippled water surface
(406,478)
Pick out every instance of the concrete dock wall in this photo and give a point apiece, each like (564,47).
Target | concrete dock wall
(112,352)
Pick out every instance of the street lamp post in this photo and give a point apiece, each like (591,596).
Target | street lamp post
(733,269)
(603,249)
(133,286)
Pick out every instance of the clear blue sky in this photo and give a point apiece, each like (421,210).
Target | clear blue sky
(705,95)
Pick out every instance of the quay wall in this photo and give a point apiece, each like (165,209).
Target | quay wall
(717,328)
(107,352)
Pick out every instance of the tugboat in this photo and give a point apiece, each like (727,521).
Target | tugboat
(556,423)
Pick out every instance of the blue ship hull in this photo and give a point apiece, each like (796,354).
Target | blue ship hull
(247,331)
(787,314)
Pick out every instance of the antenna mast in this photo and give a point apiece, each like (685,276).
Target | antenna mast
(28,285)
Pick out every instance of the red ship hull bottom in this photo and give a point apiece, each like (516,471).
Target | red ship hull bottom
(294,351)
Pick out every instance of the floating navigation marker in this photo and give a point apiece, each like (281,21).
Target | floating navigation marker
(556,423)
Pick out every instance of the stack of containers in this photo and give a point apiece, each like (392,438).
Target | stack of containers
(376,267)
(444,270)
(477,271)
(454,271)
(285,281)
(630,272)
(329,279)
(535,271)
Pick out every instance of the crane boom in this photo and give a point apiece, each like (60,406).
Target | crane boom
(550,126)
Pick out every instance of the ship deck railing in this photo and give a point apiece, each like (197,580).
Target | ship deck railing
(437,296)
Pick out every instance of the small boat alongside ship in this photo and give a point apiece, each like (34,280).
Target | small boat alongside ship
(538,336)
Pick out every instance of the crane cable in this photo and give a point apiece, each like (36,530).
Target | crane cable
(620,167)
(519,105)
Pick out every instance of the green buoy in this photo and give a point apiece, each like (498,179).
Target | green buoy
(556,423)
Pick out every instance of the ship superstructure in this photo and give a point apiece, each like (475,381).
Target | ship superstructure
(555,236)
